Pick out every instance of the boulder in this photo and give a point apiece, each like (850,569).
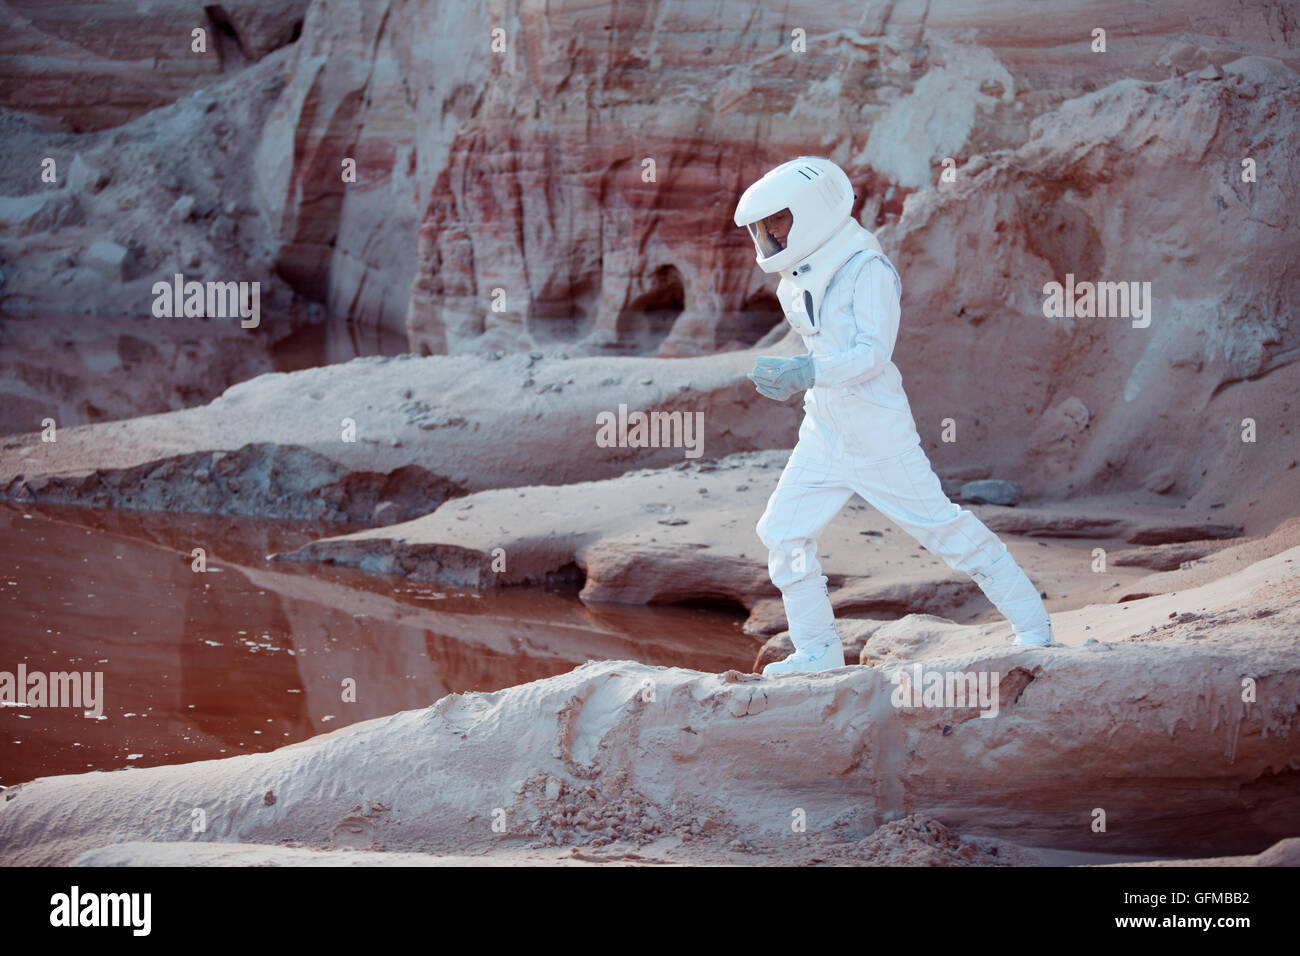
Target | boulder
(992,491)
(711,759)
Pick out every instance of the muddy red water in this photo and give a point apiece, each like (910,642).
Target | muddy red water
(252,654)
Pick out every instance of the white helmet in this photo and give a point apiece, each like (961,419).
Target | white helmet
(794,209)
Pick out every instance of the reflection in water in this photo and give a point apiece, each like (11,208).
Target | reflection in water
(253,654)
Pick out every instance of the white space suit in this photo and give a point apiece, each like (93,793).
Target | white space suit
(858,434)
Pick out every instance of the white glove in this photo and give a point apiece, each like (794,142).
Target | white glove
(779,378)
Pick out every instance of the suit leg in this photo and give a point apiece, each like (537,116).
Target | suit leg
(907,491)
(807,497)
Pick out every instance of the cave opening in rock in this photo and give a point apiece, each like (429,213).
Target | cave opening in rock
(644,324)
(567,579)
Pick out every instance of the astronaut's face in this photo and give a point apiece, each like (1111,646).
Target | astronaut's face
(771,232)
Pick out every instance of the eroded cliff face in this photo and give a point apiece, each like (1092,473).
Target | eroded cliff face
(582,180)
(525,165)
(1139,185)
(548,194)
(93,66)
(124,160)
(571,188)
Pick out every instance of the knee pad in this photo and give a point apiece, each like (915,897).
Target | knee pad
(988,549)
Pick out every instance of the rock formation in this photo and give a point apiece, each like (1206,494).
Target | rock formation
(501,203)
(408,432)
(707,766)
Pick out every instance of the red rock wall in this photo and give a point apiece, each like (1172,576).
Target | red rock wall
(94,66)
(522,172)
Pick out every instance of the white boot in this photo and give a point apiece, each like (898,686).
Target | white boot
(1034,636)
(823,657)
(811,620)
(1007,586)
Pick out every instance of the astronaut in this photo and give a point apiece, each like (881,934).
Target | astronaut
(841,294)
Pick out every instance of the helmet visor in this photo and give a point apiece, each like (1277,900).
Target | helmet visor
(771,232)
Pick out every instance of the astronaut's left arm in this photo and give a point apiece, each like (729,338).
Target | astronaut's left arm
(876,310)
